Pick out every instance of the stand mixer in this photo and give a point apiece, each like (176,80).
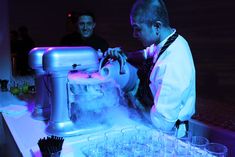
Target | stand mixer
(42,103)
(58,63)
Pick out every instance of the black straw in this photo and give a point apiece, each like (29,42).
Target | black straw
(50,145)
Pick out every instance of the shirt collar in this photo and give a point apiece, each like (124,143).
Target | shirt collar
(160,45)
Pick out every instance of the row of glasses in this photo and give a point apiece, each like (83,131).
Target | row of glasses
(189,146)
(201,147)
(130,142)
(198,146)
(142,141)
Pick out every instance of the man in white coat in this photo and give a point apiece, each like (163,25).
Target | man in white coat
(167,74)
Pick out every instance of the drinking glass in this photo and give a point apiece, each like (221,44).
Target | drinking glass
(96,146)
(216,150)
(153,141)
(198,144)
(182,147)
(128,138)
(113,140)
(199,141)
(168,139)
(140,150)
(141,134)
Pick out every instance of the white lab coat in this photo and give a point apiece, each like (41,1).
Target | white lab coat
(172,83)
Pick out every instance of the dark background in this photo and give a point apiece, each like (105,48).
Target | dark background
(208,25)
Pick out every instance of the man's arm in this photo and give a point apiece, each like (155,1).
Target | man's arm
(135,58)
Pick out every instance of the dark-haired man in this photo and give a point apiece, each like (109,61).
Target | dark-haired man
(85,35)
(166,73)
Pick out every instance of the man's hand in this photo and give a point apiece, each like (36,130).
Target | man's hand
(116,54)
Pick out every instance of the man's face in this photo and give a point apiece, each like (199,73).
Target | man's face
(86,26)
(144,32)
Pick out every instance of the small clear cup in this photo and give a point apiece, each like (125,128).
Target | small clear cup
(112,140)
(198,144)
(141,136)
(129,137)
(182,147)
(216,150)
(168,141)
(140,150)
(153,140)
(96,146)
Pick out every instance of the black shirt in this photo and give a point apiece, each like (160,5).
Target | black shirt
(75,39)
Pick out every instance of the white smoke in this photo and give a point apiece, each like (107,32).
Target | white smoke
(99,102)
